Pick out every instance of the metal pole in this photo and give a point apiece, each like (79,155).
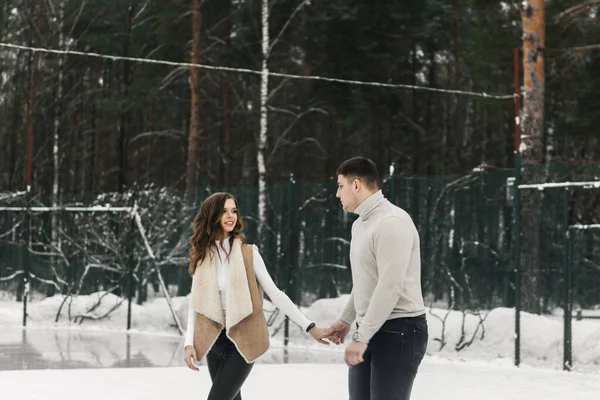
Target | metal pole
(393,186)
(567,359)
(26,259)
(129,266)
(289,274)
(129,243)
(517,231)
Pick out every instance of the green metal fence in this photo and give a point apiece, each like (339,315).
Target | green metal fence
(565,204)
(465,222)
(582,297)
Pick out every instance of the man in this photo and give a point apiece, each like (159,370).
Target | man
(386,300)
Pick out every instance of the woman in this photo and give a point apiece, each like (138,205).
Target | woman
(226,320)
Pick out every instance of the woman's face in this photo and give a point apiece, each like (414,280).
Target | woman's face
(229,217)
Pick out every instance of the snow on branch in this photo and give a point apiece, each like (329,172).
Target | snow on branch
(553,185)
(338,239)
(138,222)
(585,227)
(161,282)
(46,281)
(315,199)
(7,196)
(573,12)
(14,228)
(9,277)
(106,208)
(331,265)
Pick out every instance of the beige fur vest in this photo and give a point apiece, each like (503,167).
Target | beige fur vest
(244,320)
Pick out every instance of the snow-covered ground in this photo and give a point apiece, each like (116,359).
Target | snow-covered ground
(487,337)
(437,379)
(154,339)
(96,359)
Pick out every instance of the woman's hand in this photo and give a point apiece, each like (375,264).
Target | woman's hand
(320,333)
(191,358)
(340,330)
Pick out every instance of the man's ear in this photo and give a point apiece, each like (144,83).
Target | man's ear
(357,184)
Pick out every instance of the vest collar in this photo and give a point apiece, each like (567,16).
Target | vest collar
(205,298)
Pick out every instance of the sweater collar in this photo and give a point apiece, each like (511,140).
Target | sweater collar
(365,208)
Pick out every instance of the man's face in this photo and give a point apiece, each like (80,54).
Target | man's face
(347,193)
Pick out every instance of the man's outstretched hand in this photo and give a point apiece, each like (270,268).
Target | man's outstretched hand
(339,331)
(321,333)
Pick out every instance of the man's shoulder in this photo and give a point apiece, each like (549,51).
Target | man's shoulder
(388,210)
(393,218)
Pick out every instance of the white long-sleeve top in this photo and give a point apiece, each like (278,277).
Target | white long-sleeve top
(278,298)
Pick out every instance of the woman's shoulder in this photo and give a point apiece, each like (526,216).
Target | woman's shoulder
(249,246)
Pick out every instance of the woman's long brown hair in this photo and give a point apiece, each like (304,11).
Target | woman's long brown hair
(207,229)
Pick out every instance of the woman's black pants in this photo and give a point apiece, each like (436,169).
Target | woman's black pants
(228,370)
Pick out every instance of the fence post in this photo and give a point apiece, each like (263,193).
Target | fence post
(129,260)
(517,233)
(567,339)
(25,259)
(392,185)
(290,257)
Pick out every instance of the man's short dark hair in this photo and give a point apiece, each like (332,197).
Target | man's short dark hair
(361,168)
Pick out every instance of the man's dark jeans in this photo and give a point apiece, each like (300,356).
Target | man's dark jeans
(391,361)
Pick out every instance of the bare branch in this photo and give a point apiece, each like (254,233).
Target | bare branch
(7,196)
(461,343)
(65,299)
(93,318)
(584,49)
(278,143)
(274,91)
(441,339)
(102,296)
(169,133)
(574,11)
(337,266)
(14,228)
(338,239)
(591,264)
(46,281)
(9,277)
(312,199)
(576,54)
(171,76)
(413,123)
(274,42)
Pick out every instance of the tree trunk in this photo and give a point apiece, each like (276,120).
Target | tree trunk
(56,142)
(415,116)
(533,15)
(97,122)
(227,105)
(125,117)
(420,166)
(192,156)
(32,101)
(150,140)
(4,138)
(262,139)
(109,142)
(193,137)
(16,118)
(459,138)
(79,154)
